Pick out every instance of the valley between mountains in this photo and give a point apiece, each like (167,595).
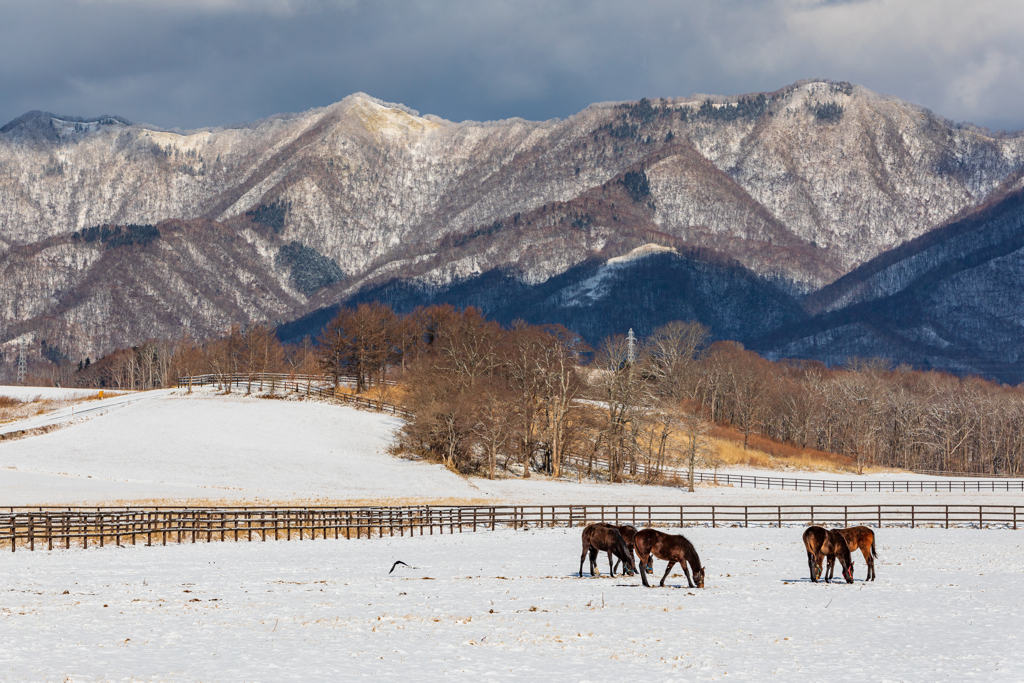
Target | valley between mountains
(821,221)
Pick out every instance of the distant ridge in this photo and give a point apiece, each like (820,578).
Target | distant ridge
(821,220)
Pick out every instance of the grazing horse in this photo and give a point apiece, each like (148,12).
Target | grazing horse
(821,543)
(674,548)
(858,538)
(603,537)
(628,533)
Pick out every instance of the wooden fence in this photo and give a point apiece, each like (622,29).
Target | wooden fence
(301,384)
(50,528)
(905,485)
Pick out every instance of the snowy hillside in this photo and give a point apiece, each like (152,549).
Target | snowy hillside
(169,446)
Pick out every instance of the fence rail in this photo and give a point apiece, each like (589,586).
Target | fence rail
(980,475)
(301,384)
(54,528)
(880,485)
(825,485)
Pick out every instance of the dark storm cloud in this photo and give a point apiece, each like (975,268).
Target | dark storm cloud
(190,63)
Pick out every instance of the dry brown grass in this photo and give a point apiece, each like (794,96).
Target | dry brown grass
(762,452)
(12,409)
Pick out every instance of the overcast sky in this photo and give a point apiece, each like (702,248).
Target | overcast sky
(193,63)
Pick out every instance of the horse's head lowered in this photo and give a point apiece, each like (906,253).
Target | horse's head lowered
(817,571)
(698,577)
(848,573)
(625,551)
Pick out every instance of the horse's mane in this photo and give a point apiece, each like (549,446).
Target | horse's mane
(691,549)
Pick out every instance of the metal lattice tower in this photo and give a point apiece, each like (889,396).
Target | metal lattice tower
(631,346)
(22,363)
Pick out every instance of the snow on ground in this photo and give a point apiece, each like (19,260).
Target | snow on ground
(218,448)
(46,393)
(79,410)
(172,446)
(507,605)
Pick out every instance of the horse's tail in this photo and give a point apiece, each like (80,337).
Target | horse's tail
(874,553)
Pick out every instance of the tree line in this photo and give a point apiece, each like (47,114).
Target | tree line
(537,398)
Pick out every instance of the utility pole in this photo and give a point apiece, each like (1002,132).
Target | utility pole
(631,347)
(22,363)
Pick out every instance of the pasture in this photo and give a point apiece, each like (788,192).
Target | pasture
(507,605)
(204,448)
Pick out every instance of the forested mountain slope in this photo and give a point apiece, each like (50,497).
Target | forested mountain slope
(742,208)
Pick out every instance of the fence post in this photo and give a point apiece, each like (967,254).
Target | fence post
(713,522)
(31,534)
(947,516)
(981,519)
(879,516)
(911,516)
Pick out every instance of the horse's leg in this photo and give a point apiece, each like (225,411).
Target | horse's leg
(686,571)
(611,567)
(810,563)
(585,549)
(643,574)
(671,564)
(593,563)
(870,563)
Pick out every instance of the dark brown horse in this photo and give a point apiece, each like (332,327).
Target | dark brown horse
(603,537)
(628,533)
(821,543)
(858,538)
(671,547)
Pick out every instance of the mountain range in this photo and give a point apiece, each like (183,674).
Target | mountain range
(822,220)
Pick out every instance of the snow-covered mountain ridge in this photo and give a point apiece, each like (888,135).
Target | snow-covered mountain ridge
(787,191)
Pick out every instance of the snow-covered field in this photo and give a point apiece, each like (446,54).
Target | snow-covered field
(484,606)
(507,605)
(214,447)
(170,446)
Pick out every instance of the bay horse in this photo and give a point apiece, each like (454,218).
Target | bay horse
(821,543)
(628,533)
(604,537)
(672,547)
(859,538)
